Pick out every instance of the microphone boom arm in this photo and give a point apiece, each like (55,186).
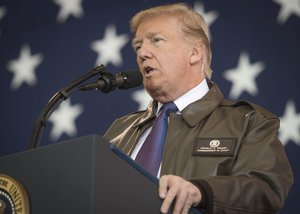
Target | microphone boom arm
(56,99)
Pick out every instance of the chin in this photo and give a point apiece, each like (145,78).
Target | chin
(159,95)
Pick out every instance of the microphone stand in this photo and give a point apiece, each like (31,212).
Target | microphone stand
(56,99)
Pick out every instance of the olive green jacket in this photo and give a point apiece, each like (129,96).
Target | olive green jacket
(230,150)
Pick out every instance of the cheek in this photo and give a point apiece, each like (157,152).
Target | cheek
(140,65)
(177,63)
(178,55)
(178,71)
(138,60)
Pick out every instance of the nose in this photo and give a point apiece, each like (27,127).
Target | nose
(144,52)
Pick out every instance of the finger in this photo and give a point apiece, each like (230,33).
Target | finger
(195,195)
(163,186)
(170,196)
(181,199)
(186,208)
(186,196)
(188,204)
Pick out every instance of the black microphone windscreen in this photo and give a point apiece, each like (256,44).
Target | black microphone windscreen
(133,79)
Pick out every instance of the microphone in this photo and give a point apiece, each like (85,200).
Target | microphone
(108,82)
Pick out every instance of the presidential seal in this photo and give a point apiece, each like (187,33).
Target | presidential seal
(214,143)
(13,197)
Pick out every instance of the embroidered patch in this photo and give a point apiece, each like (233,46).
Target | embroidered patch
(214,146)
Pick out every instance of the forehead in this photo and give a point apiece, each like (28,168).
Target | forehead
(160,24)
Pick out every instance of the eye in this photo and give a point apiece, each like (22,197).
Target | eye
(156,39)
(136,47)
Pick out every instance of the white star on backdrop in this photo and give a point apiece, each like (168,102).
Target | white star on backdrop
(243,76)
(109,48)
(67,8)
(24,67)
(288,8)
(290,124)
(209,17)
(63,119)
(142,98)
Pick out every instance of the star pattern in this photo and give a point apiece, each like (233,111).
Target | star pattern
(287,8)
(68,8)
(142,98)
(46,44)
(209,17)
(109,48)
(243,76)
(24,67)
(290,124)
(63,119)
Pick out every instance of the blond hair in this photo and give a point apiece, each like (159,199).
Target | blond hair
(193,26)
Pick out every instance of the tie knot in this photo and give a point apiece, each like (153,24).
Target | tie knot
(167,108)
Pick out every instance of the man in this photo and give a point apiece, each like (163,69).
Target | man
(219,156)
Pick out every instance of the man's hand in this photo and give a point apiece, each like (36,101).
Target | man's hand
(186,194)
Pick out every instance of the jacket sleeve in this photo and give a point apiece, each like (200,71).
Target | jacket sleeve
(261,176)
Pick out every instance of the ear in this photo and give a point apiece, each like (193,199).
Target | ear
(196,54)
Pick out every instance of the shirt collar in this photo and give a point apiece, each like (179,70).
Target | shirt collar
(191,96)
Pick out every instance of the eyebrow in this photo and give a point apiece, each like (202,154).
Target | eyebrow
(149,35)
(135,41)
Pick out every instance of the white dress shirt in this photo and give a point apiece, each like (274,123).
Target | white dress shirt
(191,96)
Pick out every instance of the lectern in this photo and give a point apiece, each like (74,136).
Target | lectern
(87,175)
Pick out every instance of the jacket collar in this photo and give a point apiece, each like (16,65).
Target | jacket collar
(148,115)
(198,110)
(194,112)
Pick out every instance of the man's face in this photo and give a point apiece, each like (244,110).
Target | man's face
(163,56)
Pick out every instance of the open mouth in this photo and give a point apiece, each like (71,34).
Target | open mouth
(148,70)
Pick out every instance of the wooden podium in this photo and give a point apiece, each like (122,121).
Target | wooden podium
(87,175)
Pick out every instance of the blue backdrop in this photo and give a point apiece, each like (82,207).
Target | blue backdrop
(46,44)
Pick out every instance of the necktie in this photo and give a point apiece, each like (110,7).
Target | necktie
(150,154)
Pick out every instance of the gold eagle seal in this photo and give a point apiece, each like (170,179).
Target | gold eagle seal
(13,197)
